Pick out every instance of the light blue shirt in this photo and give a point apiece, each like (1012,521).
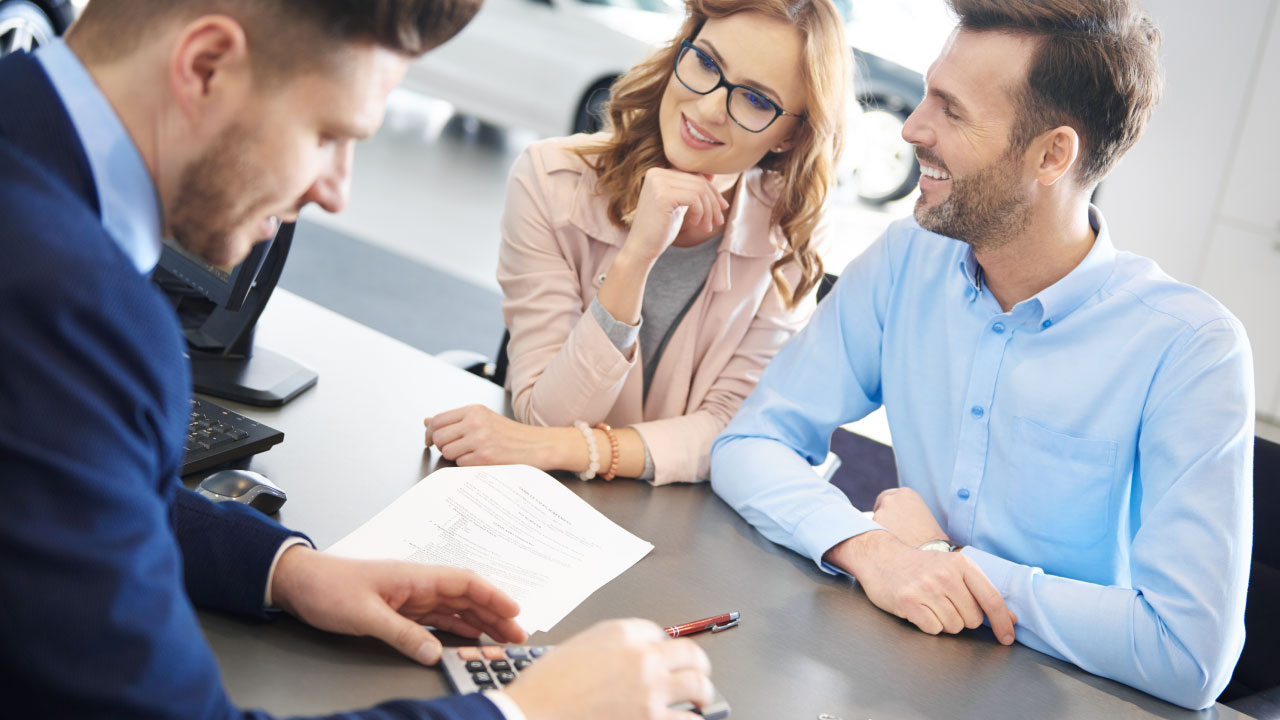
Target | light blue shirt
(1091,448)
(126,194)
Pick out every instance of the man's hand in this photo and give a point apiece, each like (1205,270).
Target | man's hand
(932,590)
(902,512)
(391,600)
(621,670)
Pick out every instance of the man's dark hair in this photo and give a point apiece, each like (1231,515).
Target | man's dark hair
(1095,69)
(284,35)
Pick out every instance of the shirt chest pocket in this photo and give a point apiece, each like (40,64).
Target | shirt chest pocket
(1061,485)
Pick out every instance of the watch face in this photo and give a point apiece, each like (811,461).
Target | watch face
(939,545)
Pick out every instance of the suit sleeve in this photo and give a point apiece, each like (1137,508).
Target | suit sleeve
(94,620)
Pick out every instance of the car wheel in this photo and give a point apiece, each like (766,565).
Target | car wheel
(590,116)
(23,26)
(885,168)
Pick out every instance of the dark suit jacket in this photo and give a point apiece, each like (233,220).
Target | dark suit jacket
(102,551)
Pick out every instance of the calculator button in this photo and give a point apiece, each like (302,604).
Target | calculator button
(506,677)
(481,678)
(475,666)
(486,686)
(500,666)
(523,663)
(538,651)
(492,652)
(515,653)
(469,653)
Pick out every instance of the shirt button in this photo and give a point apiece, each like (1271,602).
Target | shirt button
(1046,324)
(976,411)
(963,494)
(998,327)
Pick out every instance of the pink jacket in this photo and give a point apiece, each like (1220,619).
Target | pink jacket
(557,243)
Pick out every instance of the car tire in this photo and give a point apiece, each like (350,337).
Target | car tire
(23,26)
(887,169)
(590,117)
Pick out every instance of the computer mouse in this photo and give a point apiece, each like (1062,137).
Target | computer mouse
(243,486)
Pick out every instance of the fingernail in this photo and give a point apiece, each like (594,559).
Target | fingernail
(1007,639)
(428,653)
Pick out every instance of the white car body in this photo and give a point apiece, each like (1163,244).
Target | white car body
(532,63)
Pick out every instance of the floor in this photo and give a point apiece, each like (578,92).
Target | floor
(414,254)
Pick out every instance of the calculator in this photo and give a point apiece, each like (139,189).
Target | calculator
(489,667)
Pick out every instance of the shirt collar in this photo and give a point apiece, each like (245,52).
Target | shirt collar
(126,193)
(1061,298)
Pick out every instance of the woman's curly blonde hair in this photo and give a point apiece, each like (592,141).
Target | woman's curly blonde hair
(806,172)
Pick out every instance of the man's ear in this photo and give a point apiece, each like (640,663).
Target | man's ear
(1056,152)
(209,70)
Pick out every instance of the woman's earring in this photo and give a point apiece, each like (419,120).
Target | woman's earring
(778,149)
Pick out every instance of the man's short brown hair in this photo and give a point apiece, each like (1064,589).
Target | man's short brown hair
(284,35)
(1095,69)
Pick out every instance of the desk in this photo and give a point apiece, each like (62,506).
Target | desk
(809,643)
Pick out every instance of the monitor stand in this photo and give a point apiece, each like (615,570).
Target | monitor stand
(264,379)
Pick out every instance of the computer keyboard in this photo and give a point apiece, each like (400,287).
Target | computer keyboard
(489,667)
(217,436)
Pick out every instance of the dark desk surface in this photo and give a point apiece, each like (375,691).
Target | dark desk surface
(808,643)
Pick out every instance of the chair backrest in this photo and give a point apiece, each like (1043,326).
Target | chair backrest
(1259,667)
(501,362)
(1266,503)
(825,284)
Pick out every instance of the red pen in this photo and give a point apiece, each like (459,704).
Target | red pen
(714,624)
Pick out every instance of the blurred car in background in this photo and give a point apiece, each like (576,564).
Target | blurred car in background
(28,24)
(547,65)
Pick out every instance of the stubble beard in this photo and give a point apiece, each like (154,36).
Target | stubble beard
(215,198)
(986,210)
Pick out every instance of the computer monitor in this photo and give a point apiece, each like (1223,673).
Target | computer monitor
(219,309)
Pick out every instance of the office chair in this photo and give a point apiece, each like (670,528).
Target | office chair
(477,364)
(1255,684)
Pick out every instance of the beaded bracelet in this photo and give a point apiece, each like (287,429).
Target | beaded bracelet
(613,451)
(593,454)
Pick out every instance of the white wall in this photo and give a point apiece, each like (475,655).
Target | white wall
(1198,193)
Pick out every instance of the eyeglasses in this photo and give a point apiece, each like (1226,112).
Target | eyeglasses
(750,108)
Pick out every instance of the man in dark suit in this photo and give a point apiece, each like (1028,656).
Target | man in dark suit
(204,120)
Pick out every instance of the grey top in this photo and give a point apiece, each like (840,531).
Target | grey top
(673,284)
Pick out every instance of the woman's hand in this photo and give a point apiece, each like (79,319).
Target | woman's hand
(669,200)
(476,435)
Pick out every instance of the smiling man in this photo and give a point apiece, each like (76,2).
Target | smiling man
(1073,428)
(206,121)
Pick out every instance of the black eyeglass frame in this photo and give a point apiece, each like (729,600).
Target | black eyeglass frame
(686,46)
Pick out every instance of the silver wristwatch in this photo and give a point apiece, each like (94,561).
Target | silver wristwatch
(939,545)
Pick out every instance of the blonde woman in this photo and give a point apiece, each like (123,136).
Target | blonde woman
(651,272)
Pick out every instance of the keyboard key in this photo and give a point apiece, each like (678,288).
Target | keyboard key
(500,666)
(469,653)
(480,678)
(516,653)
(523,663)
(475,666)
(492,652)
(506,677)
(538,651)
